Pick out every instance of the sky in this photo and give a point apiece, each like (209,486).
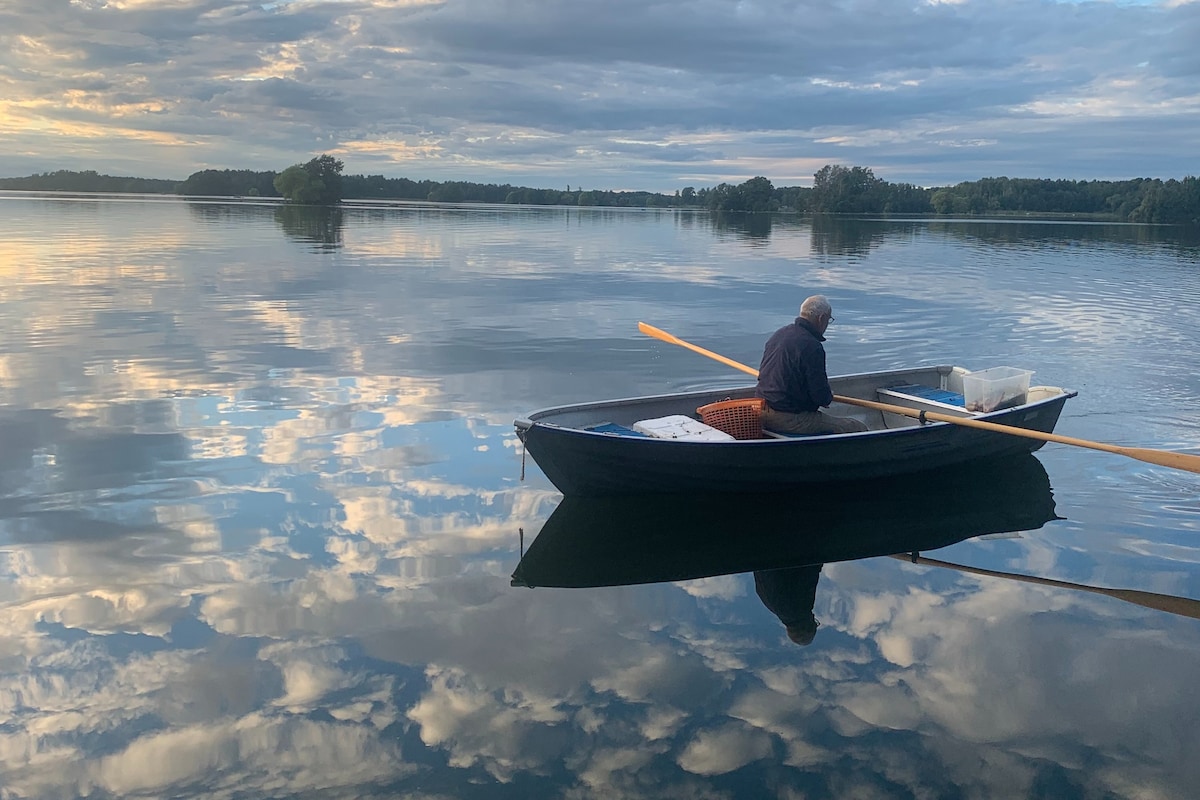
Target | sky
(651,95)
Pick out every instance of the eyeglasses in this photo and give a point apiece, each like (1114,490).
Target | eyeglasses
(831,319)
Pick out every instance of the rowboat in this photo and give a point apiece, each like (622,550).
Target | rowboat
(636,539)
(666,444)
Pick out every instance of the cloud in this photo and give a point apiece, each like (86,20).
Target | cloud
(478,726)
(256,754)
(715,752)
(615,94)
(613,691)
(298,617)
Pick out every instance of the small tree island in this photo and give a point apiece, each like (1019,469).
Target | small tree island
(319,182)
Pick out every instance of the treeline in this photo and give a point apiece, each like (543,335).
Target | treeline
(250,183)
(229,183)
(381,188)
(1138,200)
(836,189)
(244,183)
(88,181)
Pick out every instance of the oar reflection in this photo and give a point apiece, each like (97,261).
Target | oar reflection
(1172,604)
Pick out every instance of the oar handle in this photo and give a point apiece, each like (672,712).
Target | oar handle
(1163,458)
(967,422)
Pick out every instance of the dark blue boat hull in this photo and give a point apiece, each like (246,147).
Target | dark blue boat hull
(584,463)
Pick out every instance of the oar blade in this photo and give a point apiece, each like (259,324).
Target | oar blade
(1165,458)
(1183,606)
(657,333)
(650,330)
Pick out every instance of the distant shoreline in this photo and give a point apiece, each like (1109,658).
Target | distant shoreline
(368,203)
(836,190)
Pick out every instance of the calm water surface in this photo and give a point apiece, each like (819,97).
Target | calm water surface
(261,502)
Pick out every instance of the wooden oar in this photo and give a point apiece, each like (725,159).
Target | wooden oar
(1163,458)
(1184,606)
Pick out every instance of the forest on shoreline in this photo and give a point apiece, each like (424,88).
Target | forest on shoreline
(835,189)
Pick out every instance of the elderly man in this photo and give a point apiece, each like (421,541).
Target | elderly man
(792,377)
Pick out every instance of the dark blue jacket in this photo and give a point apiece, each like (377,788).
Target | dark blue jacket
(792,375)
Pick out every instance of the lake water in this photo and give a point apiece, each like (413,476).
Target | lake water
(261,502)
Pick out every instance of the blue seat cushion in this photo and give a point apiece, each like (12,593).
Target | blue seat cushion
(612,427)
(930,393)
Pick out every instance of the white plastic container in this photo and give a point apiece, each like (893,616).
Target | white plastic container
(996,388)
(679,426)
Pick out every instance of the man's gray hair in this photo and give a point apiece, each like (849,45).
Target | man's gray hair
(813,307)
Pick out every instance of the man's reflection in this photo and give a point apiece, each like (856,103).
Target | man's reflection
(790,593)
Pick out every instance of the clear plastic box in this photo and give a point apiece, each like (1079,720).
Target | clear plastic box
(995,388)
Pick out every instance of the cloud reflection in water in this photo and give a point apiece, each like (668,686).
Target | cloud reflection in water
(260,506)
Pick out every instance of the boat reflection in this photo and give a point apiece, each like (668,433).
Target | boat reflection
(613,541)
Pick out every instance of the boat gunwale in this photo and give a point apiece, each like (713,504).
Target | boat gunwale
(538,417)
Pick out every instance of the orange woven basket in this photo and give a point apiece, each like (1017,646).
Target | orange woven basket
(741,419)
